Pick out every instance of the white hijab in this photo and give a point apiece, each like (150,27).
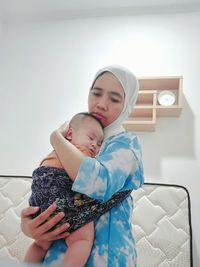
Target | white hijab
(131,86)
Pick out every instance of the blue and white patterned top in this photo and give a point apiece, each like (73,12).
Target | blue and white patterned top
(118,167)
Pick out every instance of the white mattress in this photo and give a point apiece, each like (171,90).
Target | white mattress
(161,223)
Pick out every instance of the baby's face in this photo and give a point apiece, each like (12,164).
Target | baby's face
(89,135)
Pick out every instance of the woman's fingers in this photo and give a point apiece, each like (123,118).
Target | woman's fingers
(26,221)
(38,228)
(51,222)
(45,215)
(58,233)
(29,211)
(64,128)
(61,131)
(44,222)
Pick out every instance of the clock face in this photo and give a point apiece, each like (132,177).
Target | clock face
(166,98)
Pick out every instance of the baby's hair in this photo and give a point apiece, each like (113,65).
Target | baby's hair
(81,116)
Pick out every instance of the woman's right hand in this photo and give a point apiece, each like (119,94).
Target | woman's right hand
(38,228)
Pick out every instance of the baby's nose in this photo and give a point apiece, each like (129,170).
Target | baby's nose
(94,144)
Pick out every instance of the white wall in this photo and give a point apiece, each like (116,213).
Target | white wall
(0,28)
(46,70)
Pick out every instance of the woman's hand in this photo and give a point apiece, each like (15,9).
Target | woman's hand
(38,228)
(69,155)
(63,129)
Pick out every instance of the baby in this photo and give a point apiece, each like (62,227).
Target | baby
(51,184)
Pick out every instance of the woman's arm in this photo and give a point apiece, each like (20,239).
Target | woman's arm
(118,168)
(70,156)
(39,227)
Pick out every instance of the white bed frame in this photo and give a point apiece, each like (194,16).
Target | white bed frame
(161,223)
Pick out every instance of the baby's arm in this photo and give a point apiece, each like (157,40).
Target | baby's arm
(37,251)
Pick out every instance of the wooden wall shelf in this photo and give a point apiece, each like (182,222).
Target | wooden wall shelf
(147,108)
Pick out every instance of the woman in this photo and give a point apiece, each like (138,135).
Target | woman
(118,167)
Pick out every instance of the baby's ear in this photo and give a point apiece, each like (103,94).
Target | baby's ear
(68,135)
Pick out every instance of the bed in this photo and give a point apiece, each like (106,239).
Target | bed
(161,223)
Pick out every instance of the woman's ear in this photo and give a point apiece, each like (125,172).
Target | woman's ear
(68,135)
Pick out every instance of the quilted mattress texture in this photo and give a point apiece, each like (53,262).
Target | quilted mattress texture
(161,223)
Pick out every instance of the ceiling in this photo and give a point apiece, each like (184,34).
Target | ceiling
(12,11)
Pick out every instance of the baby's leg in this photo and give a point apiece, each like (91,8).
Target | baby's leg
(79,246)
(37,251)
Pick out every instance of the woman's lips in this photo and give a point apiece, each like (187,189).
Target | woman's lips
(98,116)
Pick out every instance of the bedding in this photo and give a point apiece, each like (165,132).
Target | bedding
(161,223)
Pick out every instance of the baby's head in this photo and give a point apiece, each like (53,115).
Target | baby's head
(86,130)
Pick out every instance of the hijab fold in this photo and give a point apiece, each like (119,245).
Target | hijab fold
(131,87)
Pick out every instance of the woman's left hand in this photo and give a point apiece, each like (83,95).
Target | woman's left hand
(62,130)
(69,155)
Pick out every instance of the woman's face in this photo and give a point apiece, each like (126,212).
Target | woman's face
(106,98)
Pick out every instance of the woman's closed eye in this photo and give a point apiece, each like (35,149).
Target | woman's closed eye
(99,94)
(115,100)
(96,93)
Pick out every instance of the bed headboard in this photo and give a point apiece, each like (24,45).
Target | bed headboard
(161,223)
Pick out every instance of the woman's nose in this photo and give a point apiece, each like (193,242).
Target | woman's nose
(102,104)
